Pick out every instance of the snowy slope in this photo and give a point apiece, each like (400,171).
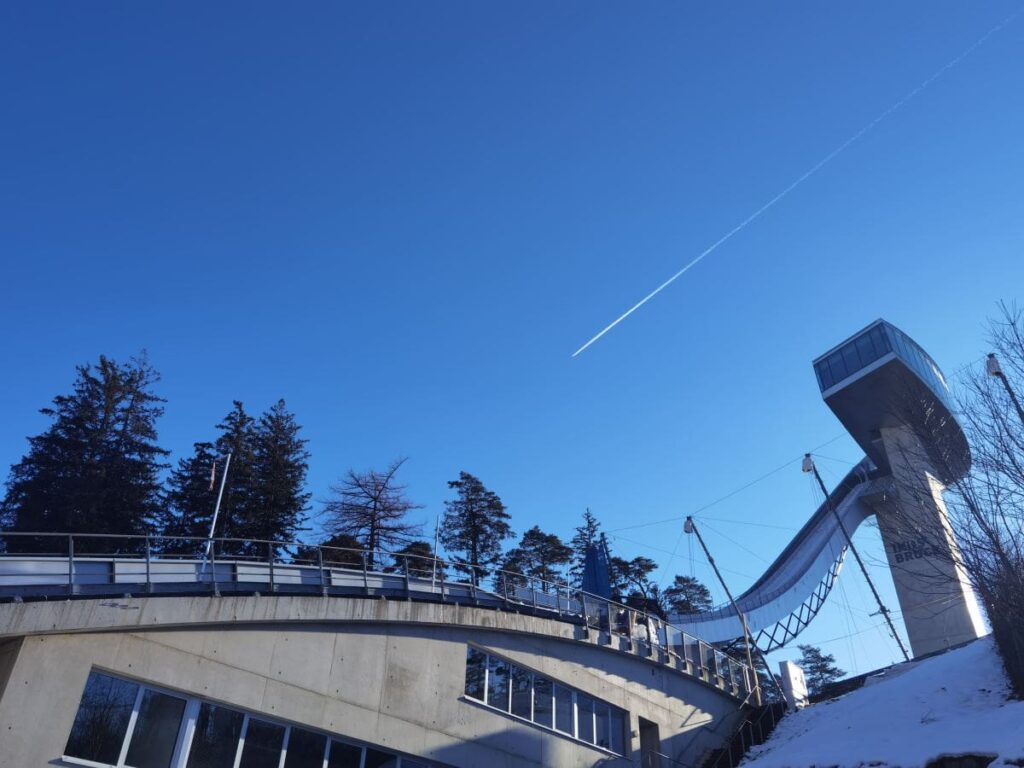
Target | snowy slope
(951,704)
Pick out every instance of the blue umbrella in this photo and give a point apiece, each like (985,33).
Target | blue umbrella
(595,572)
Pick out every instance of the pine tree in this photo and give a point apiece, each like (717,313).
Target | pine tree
(631,578)
(688,595)
(475,524)
(338,552)
(96,469)
(237,507)
(372,507)
(264,492)
(819,668)
(540,556)
(278,500)
(189,502)
(586,536)
(420,559)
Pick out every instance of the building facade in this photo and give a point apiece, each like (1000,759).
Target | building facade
(246,680)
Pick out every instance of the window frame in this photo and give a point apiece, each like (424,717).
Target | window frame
(189,718)
(596,704)
(133,719)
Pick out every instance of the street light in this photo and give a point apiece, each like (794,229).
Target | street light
(690,527)
(808,466)
(992,368)
(216,509)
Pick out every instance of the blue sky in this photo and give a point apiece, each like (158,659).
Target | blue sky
(404,217)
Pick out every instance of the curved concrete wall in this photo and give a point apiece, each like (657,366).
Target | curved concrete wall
(385,672)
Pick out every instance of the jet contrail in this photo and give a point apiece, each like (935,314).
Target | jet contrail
(814,169)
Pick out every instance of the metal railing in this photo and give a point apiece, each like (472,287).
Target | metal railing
(754,730)
(49,565)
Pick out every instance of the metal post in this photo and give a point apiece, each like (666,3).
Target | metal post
(808,466)
(270,559)
(71,564)
(691,527)
(320,565)
(408,588)
(149,580)
(366,581)
(994,369)
(213,573)
(442,576)
(437,532)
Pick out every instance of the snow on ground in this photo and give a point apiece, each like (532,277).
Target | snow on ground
(951,704)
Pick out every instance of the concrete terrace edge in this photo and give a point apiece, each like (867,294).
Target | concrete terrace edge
(140,614)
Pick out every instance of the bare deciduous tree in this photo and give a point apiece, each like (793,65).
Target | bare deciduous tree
(372,508)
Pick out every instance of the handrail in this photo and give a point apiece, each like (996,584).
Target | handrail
(644,631)
(772,710)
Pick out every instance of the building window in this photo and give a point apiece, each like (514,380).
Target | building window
(156,730)
(543,701)
(305,749)
(564,720)
(585,718)
(215,739)
(507,687)
(262,744)
(123,724)
(497,683)
(344,755)
(377,759)
(476,673)
(102,720)
(522,693)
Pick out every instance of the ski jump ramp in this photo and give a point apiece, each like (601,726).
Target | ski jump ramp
(893,399)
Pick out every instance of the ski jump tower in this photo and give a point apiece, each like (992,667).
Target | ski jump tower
(892,398)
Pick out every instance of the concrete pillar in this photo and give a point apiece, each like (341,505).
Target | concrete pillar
(794,685)
(938,603)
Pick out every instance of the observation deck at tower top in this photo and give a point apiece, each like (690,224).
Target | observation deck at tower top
(880,377)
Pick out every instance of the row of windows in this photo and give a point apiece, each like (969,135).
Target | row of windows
(923,365)
(503,685)
(124,724)
(868,347)
(856,354)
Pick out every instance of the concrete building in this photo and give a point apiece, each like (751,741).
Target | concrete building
(151,662)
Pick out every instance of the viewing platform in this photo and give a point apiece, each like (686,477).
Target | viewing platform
(77,567)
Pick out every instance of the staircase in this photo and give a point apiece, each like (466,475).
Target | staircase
(755,729)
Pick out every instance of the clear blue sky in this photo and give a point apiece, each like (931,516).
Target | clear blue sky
(404,217)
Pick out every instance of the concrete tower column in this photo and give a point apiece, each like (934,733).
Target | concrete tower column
(938,604)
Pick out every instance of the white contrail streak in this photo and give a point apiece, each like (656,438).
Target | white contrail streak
(814,169)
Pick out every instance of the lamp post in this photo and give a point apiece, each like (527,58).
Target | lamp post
(808,466)
(993,368)
(216,509)
(691,527)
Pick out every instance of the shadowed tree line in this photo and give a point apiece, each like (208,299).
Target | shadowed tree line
(99,469)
